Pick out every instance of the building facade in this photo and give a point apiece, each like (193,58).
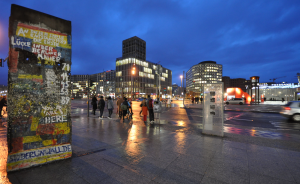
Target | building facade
(204,72)
(273,92)
(136,77)
(234,83)
(101,84)
(134,48)
(105,83)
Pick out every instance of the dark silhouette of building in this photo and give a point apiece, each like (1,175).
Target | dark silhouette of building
(234,83)
(134,47)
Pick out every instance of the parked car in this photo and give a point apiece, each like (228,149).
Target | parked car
(235,101)
(291,110)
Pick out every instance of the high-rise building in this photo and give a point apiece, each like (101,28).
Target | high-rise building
(134,47)
(136,77)
(199,74)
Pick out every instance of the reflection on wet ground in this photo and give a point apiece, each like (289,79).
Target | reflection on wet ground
(3,151)
(133,141)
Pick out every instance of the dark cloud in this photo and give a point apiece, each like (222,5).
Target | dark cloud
(246,37)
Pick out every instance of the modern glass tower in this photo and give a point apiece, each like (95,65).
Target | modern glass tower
(204,72)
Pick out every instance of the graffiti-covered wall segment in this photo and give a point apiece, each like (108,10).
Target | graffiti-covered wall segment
(39,106)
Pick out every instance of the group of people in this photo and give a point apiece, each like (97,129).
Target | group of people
(124,107)
(101,106)
(196,100)
(147,106)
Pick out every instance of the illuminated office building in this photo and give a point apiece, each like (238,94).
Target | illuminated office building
(136,77)
(202,73)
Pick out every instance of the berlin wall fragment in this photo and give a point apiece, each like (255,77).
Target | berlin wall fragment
(39,106)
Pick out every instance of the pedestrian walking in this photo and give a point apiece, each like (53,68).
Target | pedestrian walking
(3,103)
(94,104)
(101,105)
(110,107)
(145,111)
(124,107)
(119,102)
(150,109)
(141,105)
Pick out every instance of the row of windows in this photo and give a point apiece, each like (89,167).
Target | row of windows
(148,70)
(131,60)
(148,75)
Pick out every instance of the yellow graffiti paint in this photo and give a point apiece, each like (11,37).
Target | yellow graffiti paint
(34,124)
(48,142)
(22,105)
(38,160)
(62,128)
(28,76)
(43,37)
(29,139)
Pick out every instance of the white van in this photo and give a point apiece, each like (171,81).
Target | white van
(235,101)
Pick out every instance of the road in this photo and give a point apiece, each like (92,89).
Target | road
(231,118)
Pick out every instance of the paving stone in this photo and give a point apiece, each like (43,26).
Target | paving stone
(208,180)
(259,179)
(174,174)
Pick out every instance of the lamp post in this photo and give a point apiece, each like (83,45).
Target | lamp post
(72,89)
(180,85)
(132,82)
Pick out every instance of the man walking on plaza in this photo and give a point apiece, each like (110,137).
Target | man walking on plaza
(119,102)
(101,105)
(150,109)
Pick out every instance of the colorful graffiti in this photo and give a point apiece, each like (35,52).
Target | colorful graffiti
(39,106)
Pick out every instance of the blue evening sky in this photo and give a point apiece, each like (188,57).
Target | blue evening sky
(249,38)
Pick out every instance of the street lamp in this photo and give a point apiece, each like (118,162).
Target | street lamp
(181,83)
(132,82)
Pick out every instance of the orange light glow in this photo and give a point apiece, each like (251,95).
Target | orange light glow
(133,72)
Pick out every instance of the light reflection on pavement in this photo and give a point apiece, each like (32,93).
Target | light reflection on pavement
(3,150)
(134,135)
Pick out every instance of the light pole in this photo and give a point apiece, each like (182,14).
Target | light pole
(72,89)
(182,82)
(132,82)
(180,85)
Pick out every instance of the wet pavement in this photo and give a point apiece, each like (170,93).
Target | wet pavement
(171,151)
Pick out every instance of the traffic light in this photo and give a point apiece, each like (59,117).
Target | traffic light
(165,89)
(1,61)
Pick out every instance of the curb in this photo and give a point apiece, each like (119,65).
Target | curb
(273,112)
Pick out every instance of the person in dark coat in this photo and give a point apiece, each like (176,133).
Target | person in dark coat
(110,107)
(94,104)
(101,105)
(125,102)
(3,103)
(149,103)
